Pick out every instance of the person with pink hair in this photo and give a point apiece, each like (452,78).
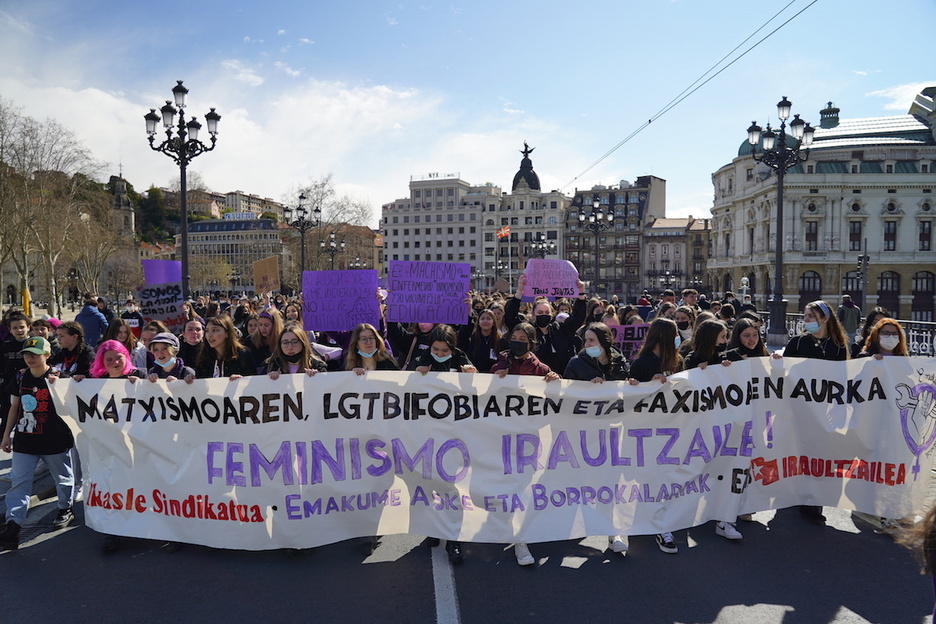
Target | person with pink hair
(112,360)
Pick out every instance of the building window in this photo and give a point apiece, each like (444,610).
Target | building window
(926,235)
(890,235)
(854,235)
(812,235)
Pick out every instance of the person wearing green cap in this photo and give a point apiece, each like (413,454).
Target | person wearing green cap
(40,433)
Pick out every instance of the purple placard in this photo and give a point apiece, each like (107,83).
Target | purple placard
(161,271)
(339,300)
(551,278)
(629,339)
(428,292)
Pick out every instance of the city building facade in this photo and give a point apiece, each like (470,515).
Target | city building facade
(866,189)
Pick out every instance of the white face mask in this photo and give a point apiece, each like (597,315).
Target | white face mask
(889,343)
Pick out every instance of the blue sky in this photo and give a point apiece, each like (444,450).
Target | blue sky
(374,92)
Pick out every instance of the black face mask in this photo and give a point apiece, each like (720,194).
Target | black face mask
(292,359)
(683,325)
(518,348)
(598,316)
(543,320)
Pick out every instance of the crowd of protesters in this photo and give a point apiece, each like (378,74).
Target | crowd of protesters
(233,337)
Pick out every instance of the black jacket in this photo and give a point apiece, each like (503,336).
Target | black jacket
(243,365)
(555,348)
(585,368)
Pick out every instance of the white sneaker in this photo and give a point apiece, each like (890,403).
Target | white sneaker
(524,556)
(618,543)
(727,530)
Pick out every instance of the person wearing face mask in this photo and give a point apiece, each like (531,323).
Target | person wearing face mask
(367,351)
(685,317)
(823,338)
(133,317)
(519,359)
(555,342)
(443,354)
(709,344)
(409,341)
(885,339)
(598,362)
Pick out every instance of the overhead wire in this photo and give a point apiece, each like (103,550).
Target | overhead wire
(692,88)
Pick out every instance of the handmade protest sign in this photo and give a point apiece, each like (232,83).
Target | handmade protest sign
(428,292)
(629,338)
(161,271)
(339,300)
(162,302)
(551,278)
(266,275)
(304,461)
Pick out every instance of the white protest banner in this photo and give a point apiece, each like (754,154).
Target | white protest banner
(162,302)
(428,292)
(551,278)
(266,275)
(258,464)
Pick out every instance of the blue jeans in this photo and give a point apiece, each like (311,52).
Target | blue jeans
(22,473)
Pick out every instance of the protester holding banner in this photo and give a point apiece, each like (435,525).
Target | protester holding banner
(481,342)
(823,339)
(709,343)
(598,362)
(40,434)
(685,317)
(443,354)
(262,341)
(886,338)
(292,353)
(874,315)
(368,351)
(76,357)
(520,360)
(164,348)
(193,335)
(222,354)
(657,360)
(555,342)
(409,342)
(746,341)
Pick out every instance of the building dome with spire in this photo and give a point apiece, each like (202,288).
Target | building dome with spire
(526,172)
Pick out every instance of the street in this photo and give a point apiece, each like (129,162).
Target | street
(786,570)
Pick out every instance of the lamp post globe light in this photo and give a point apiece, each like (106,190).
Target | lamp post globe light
(181,146)
(297,219)
(477,275)
(596,222)
(540,247)
(358,263)
(499,268)
(780,156)
(332,247)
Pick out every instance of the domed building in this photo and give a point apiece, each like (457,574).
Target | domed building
(866,189)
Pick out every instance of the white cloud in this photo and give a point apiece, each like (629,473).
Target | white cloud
(248,39)
(391,21)
(306,41)
(242,73)
(900,96)
(287,69)
(280,32)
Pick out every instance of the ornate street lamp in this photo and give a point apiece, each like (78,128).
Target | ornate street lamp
(297,219)
(332,247)
(499,268)
(358,263)
(596,222)
(540,247)
(780,156)
(181,146)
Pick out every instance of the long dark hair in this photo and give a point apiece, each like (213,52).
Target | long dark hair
(605,337)
(530,332)
(231,348)
(735,342)
(833,326)
(662,334)
(705,340)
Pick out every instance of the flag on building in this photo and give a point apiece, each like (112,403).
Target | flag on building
(504,232)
